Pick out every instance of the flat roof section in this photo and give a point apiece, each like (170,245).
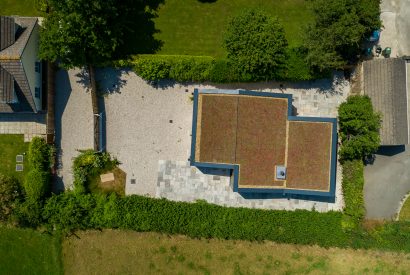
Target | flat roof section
(261,139)
(216,128)
(254,133)
(309,155)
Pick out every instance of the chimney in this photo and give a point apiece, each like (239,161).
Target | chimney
(7,32)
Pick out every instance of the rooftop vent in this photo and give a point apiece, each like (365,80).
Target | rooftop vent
(280,172)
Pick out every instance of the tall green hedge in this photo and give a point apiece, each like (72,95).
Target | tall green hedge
(75,211)
(184,68)
(353,182)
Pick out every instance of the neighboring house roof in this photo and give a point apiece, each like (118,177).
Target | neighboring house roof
(255,135)
(385,84)
(6,87)
(17,30)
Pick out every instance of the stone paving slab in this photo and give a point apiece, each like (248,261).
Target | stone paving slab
(29,125)
(178,181)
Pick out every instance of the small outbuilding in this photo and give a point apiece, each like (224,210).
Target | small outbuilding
(385,82)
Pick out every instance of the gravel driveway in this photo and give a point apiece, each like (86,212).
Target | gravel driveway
(146,124)
(74,125)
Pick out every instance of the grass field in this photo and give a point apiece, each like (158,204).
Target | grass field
(18,7)
(126,252)
(12,145)
(195,28)
(29,252)
(405,211)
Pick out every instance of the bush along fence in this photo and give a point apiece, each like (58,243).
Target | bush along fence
(183,68)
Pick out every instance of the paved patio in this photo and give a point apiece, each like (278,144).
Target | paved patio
(148,126)
(30,125)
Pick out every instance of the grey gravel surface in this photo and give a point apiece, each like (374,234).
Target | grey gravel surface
(74,125)
(146,124)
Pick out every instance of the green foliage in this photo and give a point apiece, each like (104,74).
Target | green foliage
(40,154)
(334,39)
(359,128)
(177,67)
(256,44)
(88,163)
(353,182)
(29,213)
(71,211)
(37,184)
(81,32)
(9,194)
(204,68)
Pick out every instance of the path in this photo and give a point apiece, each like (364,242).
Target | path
(74,124)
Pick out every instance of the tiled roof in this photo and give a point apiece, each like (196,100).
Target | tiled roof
(385,84)
(7,31)
(11,65)
(6,86)
(15,51)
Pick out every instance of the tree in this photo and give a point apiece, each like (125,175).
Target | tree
(359,128)
(9,194)
(256,44)
(334,38)
(82,33)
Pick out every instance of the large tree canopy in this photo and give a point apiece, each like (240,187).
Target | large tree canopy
(339,27)
(256,43)
(80,32)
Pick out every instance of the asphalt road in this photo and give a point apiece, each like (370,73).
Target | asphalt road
(387,181)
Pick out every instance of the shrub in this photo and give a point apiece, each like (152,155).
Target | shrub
(36,184)
(29,213)
(40,154)
(353,182)
(359,128)
(256,44)
(89,163)
(9,195)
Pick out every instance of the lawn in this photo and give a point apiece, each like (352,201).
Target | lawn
(405,211)
(126,252)
(194,28)
(12,145)
(18,7)
(24,251)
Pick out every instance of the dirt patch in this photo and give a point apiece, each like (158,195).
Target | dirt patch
(117,185)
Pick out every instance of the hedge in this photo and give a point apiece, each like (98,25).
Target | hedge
(71,211)
(353,182)
(37,184)
(184,68)
(40,154)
